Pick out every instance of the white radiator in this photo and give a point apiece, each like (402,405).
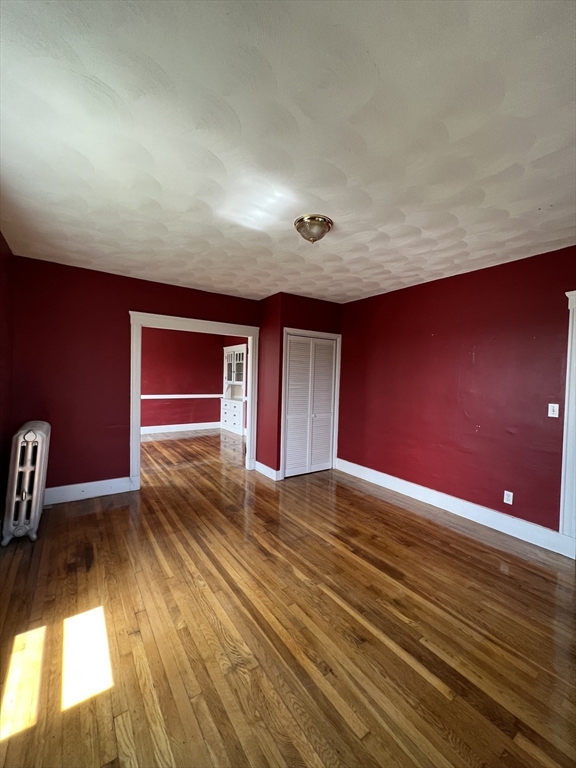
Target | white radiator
(26,481)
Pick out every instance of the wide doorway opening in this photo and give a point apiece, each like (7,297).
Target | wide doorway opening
(193,400)
(193,393)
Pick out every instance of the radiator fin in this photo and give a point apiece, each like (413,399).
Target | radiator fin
(26,481)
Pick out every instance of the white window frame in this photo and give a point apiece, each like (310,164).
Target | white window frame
(139,320)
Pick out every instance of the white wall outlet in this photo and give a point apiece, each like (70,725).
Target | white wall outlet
(508,497)
(553,410)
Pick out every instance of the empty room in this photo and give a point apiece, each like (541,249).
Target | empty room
(192,385)
(288,384)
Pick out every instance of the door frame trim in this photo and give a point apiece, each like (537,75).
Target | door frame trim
(337,337)
(139,320)
(568,481)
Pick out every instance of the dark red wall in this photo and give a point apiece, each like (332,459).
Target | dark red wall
(446,384)
(72,358)
(155,412)
(280,311)
(177,363)
(310,314)
(7,423)
(269,382)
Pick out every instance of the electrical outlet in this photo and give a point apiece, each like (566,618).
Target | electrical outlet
(553,410)
(508,497)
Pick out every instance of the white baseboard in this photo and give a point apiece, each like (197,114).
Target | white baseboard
(179,427)
(273,474)
(64,493)
(513,526)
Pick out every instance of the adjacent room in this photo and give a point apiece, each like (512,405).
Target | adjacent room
(193,391)
(288,384)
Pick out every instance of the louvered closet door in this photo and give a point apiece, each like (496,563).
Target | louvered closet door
(322,412)
(298,379)
(309,404)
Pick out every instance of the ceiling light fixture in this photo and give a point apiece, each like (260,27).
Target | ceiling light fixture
(313,226)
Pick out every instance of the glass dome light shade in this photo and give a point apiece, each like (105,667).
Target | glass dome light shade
(313,226)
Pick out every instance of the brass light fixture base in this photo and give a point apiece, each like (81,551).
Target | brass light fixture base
(313,226)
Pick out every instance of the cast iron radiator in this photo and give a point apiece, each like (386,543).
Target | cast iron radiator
(26,481)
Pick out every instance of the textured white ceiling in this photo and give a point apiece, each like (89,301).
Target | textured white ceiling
(177,141)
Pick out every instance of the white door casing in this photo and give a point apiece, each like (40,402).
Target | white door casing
(568,484)
(309,401)
(141,320)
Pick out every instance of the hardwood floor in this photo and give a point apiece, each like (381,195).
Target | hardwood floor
(311,622)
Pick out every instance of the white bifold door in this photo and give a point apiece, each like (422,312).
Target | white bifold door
(309,404)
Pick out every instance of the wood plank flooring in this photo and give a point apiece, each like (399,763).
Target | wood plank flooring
(311,622)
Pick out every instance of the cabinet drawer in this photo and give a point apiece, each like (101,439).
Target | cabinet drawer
(232,415)
(232,424)
(232,405)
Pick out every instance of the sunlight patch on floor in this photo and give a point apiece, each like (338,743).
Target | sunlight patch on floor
(19,709)
(86,668)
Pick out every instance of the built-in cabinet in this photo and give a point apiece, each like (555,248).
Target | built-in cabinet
(233,401)
(309,404)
